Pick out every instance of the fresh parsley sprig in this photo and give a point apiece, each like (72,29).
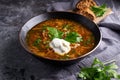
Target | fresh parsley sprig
(99,71)
(54,33)
(99,10)
(72,37)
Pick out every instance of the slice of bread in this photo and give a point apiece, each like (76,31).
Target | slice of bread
(83,4)
(87,13)
(98,19)
(83,8)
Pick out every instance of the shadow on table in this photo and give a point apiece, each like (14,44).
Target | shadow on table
(19,65)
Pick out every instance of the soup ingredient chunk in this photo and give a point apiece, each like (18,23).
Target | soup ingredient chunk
(60,46)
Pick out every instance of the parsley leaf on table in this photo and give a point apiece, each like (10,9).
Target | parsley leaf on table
(99,71)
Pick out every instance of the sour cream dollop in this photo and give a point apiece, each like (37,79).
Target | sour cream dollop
(60,46)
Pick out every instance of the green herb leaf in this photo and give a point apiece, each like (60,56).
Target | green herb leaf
(65,57)
(37,42)
(73,37)
(54,33)
(111,66)
(96,63)
(66,26)
(99,10)
(99,71)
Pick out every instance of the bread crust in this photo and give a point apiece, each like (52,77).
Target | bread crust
(87,13)
(83,8)
(83,4)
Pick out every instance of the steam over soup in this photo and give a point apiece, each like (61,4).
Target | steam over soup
(60,39)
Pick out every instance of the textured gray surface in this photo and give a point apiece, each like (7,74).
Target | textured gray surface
(17,64)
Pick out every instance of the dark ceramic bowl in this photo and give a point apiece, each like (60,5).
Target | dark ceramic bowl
(63,15)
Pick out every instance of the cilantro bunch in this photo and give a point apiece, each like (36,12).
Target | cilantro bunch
(99,71)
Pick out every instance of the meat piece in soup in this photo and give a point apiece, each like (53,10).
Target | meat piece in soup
(60,39)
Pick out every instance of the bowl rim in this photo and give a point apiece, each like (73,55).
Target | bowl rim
(58,60)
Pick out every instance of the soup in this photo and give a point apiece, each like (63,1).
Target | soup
(77,39)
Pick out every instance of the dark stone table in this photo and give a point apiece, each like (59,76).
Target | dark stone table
(15,62)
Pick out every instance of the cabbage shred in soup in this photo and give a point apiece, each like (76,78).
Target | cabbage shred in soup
(60,39)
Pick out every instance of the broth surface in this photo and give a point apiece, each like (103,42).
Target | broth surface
(39,37)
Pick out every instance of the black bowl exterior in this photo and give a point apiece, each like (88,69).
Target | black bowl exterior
(60,15)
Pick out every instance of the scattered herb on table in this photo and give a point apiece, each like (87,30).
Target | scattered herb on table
(99,10)
(99,71)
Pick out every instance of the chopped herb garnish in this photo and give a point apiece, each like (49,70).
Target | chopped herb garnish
(73,51)
(46,42)
(37,42)
(99,71)
(65,57)
(99,10)
(47,46)
(87,42)
(45,27)
(54,33)
(73,37)
(66,26)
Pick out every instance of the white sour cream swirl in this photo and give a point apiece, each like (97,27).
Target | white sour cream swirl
(60,46)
